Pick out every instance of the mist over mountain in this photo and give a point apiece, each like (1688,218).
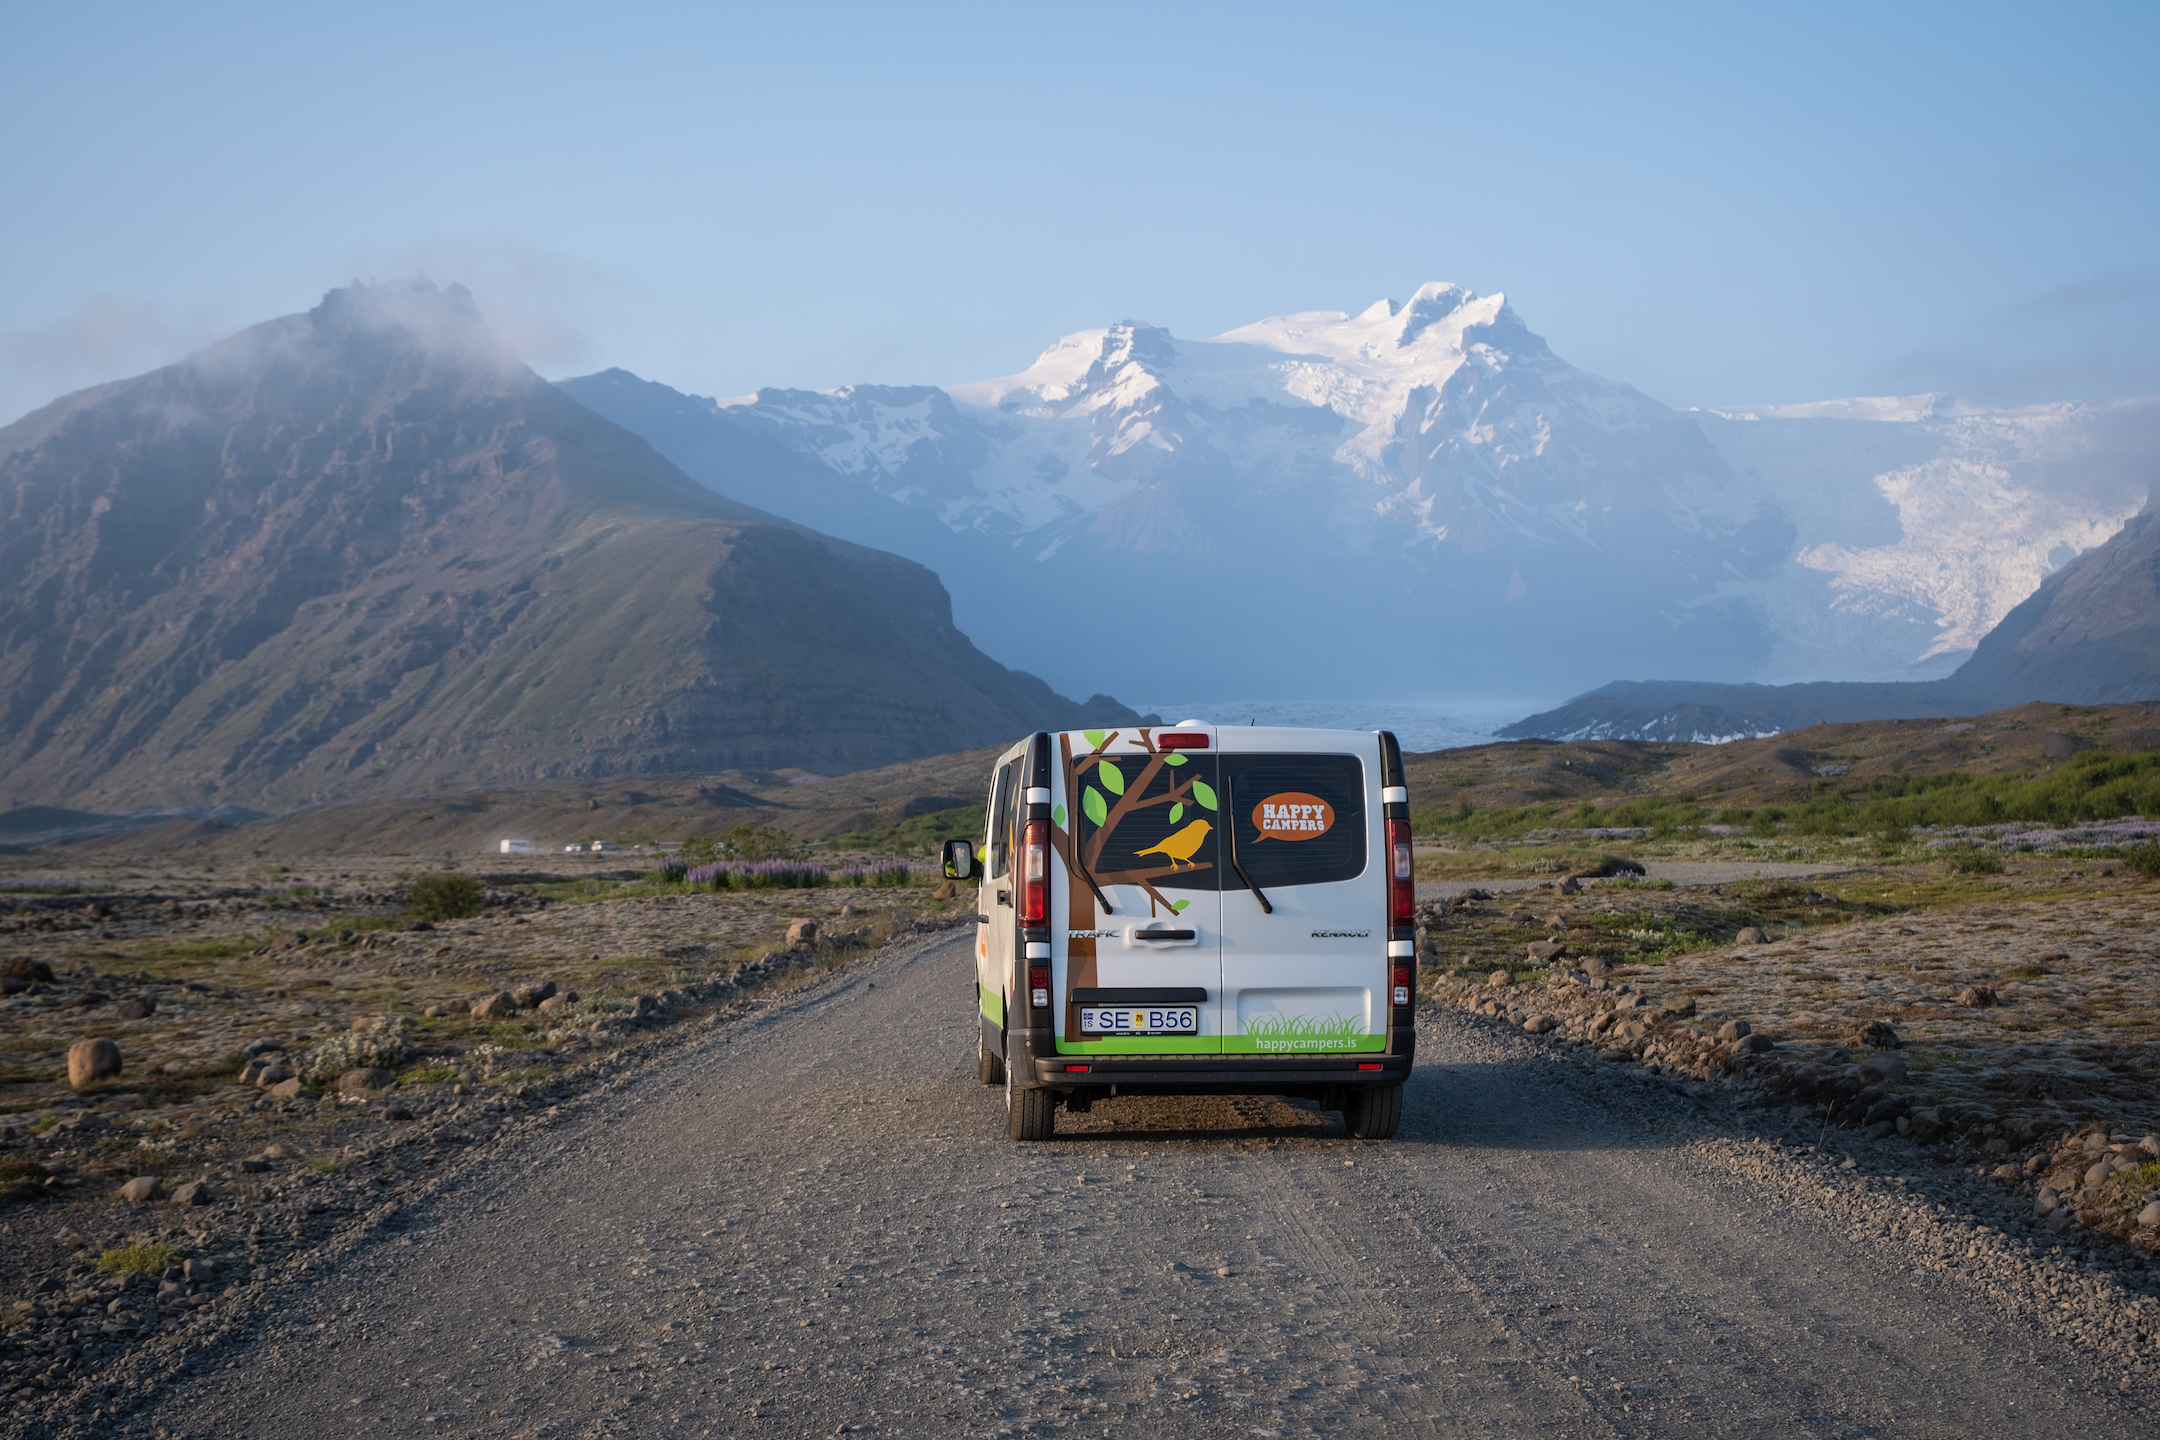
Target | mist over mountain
(365,548)
(2090,635)
(1421,499)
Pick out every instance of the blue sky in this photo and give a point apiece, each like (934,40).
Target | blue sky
(1718,204)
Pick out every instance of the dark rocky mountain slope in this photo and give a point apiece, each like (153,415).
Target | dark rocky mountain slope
(2090,635)
(364,549)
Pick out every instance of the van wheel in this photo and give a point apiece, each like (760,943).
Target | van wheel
(1374,1113)
(1029,1114)
(988,1068)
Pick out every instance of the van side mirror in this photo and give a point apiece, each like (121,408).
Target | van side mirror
(959,859)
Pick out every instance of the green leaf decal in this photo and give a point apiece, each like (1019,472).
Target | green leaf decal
(1094,738)
(1173,758)
(1179,905)
(1096,808)
(1177,812)
(1204,793)
(1113,779)
(1057,816)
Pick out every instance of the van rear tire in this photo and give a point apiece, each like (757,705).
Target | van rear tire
(1373,1114)
(988,1068)
(1029,1114)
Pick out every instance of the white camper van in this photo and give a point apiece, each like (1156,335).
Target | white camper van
(1180,910)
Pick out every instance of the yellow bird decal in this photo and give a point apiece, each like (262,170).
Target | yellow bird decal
(1180,845)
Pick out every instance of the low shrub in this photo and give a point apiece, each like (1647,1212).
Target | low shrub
(444,895)
(1973,860)
(877,876)
(2145,859)
(138,1260)
(382,1048)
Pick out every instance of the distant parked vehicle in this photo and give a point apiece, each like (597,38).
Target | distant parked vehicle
(517,847)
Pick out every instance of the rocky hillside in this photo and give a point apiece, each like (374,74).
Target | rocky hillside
(364,549)
(2090,635)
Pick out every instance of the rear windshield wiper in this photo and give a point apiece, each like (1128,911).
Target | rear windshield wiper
(1265,908)
(1081,866)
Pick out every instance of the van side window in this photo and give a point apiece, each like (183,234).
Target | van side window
(1001,815)
(1299,819)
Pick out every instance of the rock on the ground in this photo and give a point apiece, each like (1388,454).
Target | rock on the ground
(364,1080)
(90,1061)
(499,1006)
(801,931)
(1734,1030)
(1751,935)
(141,1189)
(1544,952)
(1977,997)
(1885,1069)
(1499,977)
(1540,1024)
(137,1007)
(287,1089)
(194,1192)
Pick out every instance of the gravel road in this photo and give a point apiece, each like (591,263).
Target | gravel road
(807,1222)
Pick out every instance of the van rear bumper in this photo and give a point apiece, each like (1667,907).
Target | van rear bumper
(1300,1075)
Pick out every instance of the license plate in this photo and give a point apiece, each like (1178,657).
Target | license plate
(1139,1020)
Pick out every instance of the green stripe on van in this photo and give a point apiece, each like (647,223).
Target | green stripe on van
(990,1002)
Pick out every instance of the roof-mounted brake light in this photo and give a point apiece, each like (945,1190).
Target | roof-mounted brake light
(1181,739)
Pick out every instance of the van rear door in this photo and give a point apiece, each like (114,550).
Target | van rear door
(1140,822)
(1302,827)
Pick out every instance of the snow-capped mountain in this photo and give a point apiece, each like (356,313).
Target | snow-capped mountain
(1417,498)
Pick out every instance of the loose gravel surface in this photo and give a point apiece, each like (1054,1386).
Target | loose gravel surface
(806,1220)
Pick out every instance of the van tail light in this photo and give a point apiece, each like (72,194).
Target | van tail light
(1402,886)
(1400,981)
(1035,875)
(1039,986)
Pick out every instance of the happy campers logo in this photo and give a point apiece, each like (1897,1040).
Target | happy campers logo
(1293,815)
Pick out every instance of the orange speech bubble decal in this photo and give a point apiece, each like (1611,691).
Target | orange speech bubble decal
(1293,815)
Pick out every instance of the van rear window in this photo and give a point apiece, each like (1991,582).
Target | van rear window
(1144,820)
(1296,819)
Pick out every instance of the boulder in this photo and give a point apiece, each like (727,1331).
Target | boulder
(1540,1024)
(22,967)
(136,1007)
(1680,1006)
(529,997)
(1878,1035)
(1544,952)
(554,1005)
(1751,935)
(1499,977)
(1926,1125)
(2149,1217)
(288,1089)
(268,1074)
(1755,1044)
(1884,1069)
(802,932)
(1734,1030)
(90,1061)
(142,1189)
(194,1192)
(1569,886)
(944,891)
(499,1006)
(198,1272)
(1596,965)
(364,1080)
(1977,997)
